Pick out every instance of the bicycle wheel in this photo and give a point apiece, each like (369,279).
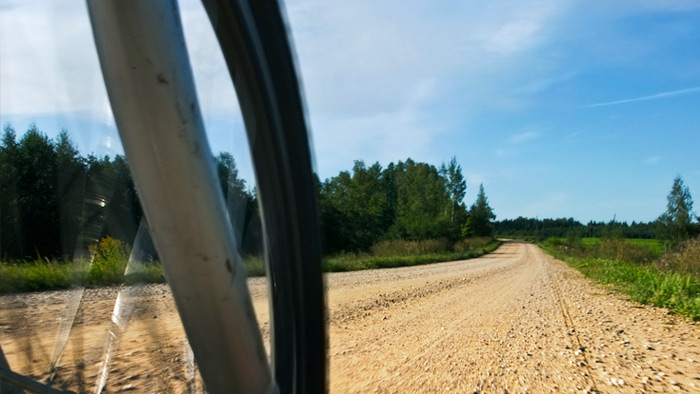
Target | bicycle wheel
(142,53)
(253,38)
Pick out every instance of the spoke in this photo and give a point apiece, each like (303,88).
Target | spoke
(74,299)
(93,209)
(124,305)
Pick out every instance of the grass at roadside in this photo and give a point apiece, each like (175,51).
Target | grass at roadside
(392,254)
(353,262)
(110,260)
(40,275)
(642,282)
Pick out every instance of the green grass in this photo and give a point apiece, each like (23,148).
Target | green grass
(656,246)
(38,275)
(254,265)
(35,275)
(643,283)
(110,260)
(353,262)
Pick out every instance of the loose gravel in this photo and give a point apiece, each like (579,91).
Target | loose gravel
(513,321)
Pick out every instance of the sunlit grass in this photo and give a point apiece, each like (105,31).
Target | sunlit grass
(355,262)
(642,282)
(111,258)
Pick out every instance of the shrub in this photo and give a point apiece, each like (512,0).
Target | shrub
(686,259)
(108,263)
(554,241)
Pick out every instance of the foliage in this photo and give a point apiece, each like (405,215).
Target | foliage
(36,275)
(685,260)
(399,247)
(630,250)
(354,261)
(254,265)
(541,229)
(625,266)
(404,201)
(393,253)
(57,204)
(481,216)
(476,243)
(62,206)
(241,204)
(355,207)
(643,283)
(108,263)
(676,224)
(456,185)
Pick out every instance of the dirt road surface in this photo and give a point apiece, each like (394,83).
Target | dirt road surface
(513,321)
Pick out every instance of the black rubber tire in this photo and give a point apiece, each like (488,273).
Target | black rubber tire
(254,41)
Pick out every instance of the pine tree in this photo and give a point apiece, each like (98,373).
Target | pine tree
(481,217)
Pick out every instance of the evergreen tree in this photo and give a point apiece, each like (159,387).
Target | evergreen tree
(36,188)
(10,221)
(70,190)
(481,216)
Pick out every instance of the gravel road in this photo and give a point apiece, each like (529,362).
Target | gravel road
(513,321)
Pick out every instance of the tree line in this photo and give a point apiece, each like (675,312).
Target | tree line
(676,224)
(55,202)
(406,200)
(563,227)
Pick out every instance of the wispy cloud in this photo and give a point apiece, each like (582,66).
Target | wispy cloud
(657,96)
(523,137)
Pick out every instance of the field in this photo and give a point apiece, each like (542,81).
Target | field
(655,245)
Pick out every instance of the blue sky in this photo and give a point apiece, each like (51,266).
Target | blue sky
(583,109)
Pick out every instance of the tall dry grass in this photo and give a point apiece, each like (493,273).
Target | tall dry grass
(686,259)
(467,244)
(399,247)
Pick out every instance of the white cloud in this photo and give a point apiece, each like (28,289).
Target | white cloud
(389,79)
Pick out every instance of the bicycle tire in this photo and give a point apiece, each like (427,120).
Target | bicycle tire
(272,109)
(254,41)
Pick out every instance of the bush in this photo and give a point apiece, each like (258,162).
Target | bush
(554,241)
(108,263)
(685,260)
